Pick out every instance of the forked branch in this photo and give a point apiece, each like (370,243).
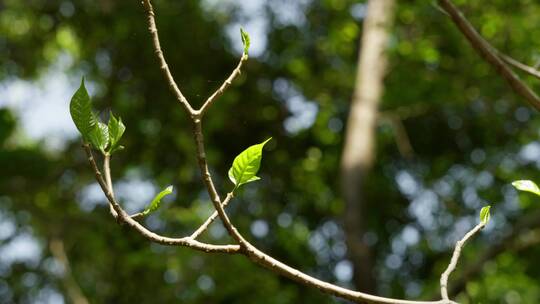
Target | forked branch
(152,236)
(244,247)
(211,218)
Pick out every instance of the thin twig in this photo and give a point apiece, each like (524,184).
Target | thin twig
(455,258)
(154,237)
(520,66)
(159,54)
(488,53)
(211,218)
(138,216)
(529,221)
(107,170)
(211,189)
(224,86)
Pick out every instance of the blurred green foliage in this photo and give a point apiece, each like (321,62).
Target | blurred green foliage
(471,137)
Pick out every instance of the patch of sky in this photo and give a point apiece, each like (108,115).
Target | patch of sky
(42,106)
(303,111)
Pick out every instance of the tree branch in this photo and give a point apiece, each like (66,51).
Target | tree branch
(107,170)
(455,258)
(244,246)
(211,218)
(138,216)
(207,180)
(530,221)
(488,53)
(263,259)
(224,86)
(154,237)
(161,58)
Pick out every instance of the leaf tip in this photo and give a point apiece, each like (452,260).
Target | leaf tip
(83,85)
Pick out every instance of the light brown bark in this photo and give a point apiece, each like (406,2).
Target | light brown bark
(359,146)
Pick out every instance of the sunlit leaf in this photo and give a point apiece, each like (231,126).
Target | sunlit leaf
(246,165)
(484,215)
(526,185)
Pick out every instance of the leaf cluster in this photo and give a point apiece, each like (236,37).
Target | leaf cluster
(103,137)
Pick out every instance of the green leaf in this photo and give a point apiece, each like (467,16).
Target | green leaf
(80,109)
(484,215)
(156,202)
(99,136)
(116,130)
(526,185)
(245,40)
(246,165)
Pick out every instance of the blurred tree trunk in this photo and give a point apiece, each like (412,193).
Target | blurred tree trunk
(359,146)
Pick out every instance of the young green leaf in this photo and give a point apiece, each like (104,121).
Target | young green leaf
(156,202)
(99,136)
(526,185)
(116,130)
(245,40)
(246,165)
(80,109)
(484,215)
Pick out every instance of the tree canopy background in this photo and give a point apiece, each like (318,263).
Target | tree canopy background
(470,134)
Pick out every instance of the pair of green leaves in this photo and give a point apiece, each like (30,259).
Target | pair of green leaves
(102,136)
(521,185)
(243,170)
